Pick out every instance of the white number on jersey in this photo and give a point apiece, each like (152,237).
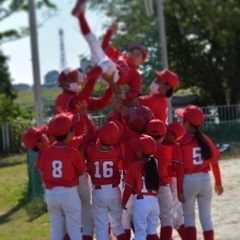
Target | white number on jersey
(107,169)
(57,169)
(144,189)
(197,156)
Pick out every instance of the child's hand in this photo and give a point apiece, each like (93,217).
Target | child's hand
(121,96)
(113,27)
(82,107)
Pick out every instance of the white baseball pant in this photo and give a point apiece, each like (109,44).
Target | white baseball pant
(145,216)
(98,56)
(84,190)
(107,202)
(178,219)
(64,210)
(165,201)
(197,187)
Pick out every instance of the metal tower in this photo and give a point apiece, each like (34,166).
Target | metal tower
(63,61)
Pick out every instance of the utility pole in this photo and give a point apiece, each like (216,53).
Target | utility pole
(35,63)
(63,61)
(162,40)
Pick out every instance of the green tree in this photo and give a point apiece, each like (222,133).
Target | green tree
(202,40)
(8,109)
(10,7)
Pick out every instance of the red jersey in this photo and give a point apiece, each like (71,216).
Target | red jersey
(157,103)
(128,73)
(134,178)
(95,104)
(63,102)
(61,165)
(103,164)
(67,100)
(188,153)
(129,152)
(164,159)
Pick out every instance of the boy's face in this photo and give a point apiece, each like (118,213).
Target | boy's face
(163,86)
(137,56)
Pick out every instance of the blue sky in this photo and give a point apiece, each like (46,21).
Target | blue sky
(19,51)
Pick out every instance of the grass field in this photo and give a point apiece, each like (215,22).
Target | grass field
(26,97)
(21,218)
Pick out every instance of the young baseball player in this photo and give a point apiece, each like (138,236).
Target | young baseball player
(157,130)
(142,180)
(37,139)
(34,139)
(134,122)
(60,167)
(110,60)
(70,83)
(195,154)
(174,131)
(86,133)
(160,89)
(103,158)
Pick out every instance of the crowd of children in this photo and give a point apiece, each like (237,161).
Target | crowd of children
(134,173)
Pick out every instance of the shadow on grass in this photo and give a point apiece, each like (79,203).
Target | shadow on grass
(11,160)
(10,164)
(34,207)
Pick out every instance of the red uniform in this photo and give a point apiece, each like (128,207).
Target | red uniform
(67,100)
(134,178)
(164,157)
(128,73)
(61,165)
(192,158)
(106,196)
(157,103)
(103,165)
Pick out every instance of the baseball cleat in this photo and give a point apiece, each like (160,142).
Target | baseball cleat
(79,7)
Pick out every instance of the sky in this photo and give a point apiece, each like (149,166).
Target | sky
(19,51)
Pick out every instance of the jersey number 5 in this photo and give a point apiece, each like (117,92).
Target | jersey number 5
(197,156)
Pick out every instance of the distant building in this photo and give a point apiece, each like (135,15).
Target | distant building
(51,79)
(21,86)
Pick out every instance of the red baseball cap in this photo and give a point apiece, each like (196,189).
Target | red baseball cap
(145,144)
(68,72)
(30,137)
(169,77)
(177,128)
(110,132)
(60,124)
(44,129)
(193,114)
(138,45)
(156,127)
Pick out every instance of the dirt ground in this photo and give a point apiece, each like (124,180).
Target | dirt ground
(225,208)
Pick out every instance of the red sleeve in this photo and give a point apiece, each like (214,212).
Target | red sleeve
(126,194)
(135,85)
(106,39)
(80,163)
(88,123)
(132,94)
(95,104)
(180,175)
(84,94)
(216,174)
(77,141)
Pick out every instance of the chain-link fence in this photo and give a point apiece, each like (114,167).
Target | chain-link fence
(222,124)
